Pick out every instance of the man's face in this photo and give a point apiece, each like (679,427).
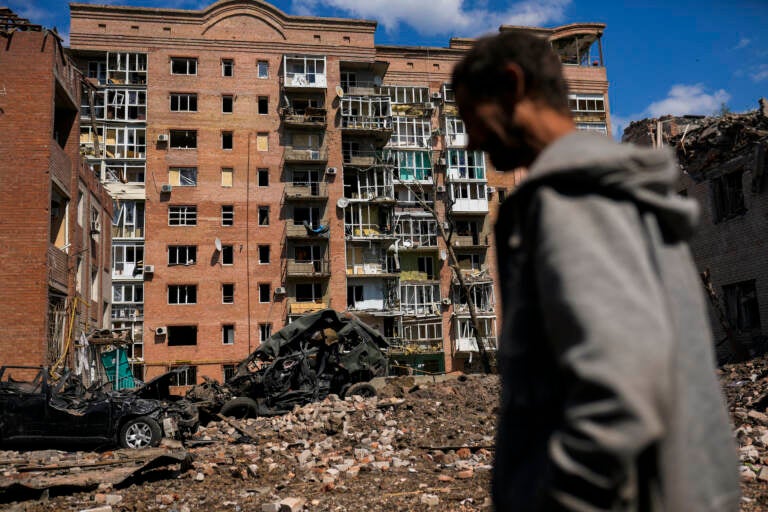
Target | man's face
(492,128)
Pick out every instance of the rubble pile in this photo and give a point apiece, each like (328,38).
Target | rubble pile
(416,447)
(746,389)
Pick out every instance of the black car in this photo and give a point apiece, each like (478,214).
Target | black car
(34,406)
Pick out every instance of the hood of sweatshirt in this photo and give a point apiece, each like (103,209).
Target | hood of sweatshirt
(597,164)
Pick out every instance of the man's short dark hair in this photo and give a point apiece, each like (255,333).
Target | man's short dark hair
(481,71)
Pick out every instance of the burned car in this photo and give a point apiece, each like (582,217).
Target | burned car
(319,354)
(34,406)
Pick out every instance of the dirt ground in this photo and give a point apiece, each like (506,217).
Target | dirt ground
(417,447)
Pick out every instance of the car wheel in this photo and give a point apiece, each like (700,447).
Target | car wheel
(361,389)
(141,432)
(240,407)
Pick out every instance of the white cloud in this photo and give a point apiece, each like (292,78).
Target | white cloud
(442,16)
(685,99)
(760,74)
(743,43)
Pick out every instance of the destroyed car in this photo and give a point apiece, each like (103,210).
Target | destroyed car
(34,406)
(316,355)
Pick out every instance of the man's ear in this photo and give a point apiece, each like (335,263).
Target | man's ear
(516,77)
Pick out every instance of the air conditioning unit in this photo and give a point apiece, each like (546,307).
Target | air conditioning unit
(429,105)
(161,331)
(440,188)
(446,302)
(280,291)
(149,269)
(491,190)
(166,189)
(441,161)
(162,137)
(436,96)
(330,170)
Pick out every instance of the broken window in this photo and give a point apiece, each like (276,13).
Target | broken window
(727,195)
(127,260)
(354,295)
(227,103)
(125,172)
(741,305)
(264,292)
(125,142)
(465,165)
(229,371)
(127,68)
(416,332)
(179,335)
(227,140)
(182,215)
(263,105)
(304,71)
(265,331)
(188,377)
(182,255)
(310,215)
(183,66)
(413,165)
(227,215)
(482,297)
(448,95)
(366,112)
(263,215)
(263,177)
(309,292)
(420,299)
(128,220)
(127,292)
(263,254)
(426,265)
(227,67)
(183,139)
(228,334)
(182,176)
(406,94)
(183,102)
(455,131)
(227,255)
(59,234)
(228,293)
(411,132)
(600,127)
(182,294)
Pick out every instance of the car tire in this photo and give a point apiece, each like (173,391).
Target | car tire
(240,407)
(141,432)
(361,389)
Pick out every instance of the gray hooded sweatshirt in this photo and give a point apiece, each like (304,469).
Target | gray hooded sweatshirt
(609,397)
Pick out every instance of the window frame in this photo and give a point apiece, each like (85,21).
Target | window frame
(187,97)
(182,294)
(188,60)
(186,217)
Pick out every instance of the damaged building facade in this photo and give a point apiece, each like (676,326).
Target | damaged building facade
(265,166)
(724,161)
(56,255)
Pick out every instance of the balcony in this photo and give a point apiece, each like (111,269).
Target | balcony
(478,241)
(367,232)
(368,158)
(317,231)
(296,308)
(466,345)
(306,118)
(312,268)
(369,270)
(305,155)
(314,191)
(379,127)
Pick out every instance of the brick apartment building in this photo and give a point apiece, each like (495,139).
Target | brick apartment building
(725,160)
(55,257)
(266,165)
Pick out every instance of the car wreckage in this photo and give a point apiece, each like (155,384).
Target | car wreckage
(39,405)
(321,353)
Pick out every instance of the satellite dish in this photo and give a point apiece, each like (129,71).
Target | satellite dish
(407,243)
(339,91)
(217,243)
(343,202)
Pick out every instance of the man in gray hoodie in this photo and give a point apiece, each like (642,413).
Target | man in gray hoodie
(609,398)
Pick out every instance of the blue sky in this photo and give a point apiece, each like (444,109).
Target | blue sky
(663,57)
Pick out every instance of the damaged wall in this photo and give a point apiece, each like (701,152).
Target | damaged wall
(724,160)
